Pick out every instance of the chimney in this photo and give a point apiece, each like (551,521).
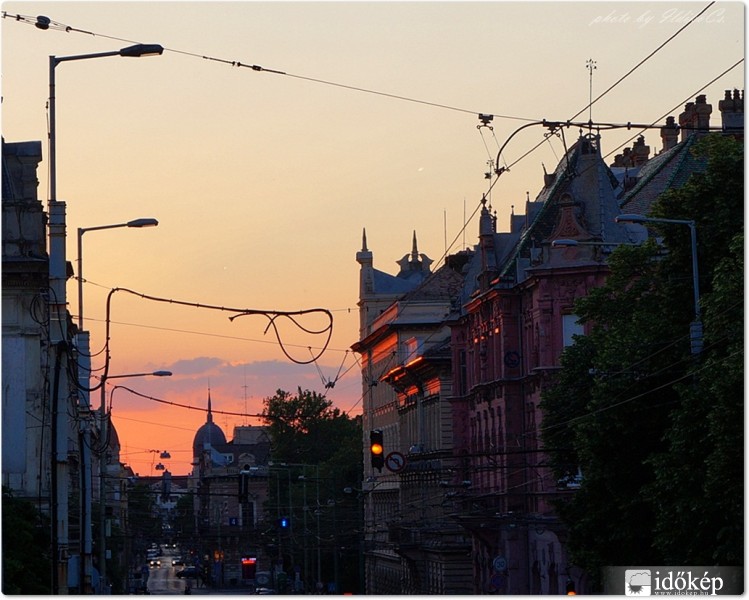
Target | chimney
(640,152)
(703,110)
(732,111)
(687,121)
(670,134)
(636,156)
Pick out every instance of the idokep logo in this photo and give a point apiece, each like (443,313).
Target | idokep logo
(649,580)
(637,582)
(669,582)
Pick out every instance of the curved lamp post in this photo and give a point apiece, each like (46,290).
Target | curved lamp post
(695,328)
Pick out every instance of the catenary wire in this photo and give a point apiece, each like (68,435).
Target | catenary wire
(31,20)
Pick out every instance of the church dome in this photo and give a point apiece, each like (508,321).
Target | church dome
(209,433)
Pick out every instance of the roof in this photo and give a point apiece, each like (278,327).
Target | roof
(669,169)
(208,435)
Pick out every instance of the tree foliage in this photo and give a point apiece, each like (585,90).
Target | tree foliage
(26,548)
(306,428)
(317,453)
(658,434)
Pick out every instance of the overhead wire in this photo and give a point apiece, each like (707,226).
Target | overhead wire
(394,96)
(643,61)
(34,21)
(621,79)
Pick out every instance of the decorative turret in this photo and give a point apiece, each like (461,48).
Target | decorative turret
(487,230)
(414,262)
(366,274)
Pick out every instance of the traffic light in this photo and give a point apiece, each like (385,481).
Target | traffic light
(571,588)
(376,450)
(244,487)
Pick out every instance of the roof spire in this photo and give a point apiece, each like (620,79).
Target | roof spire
(364,239)
(414,250)
(210,415)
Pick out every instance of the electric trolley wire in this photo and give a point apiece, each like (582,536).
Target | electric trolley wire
(643,61)
(46,23)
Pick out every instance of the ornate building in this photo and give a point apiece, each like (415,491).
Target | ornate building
(230,482)
(483,352)
(411,546)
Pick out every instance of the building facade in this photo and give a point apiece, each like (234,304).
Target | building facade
(230,483)
(411,545)
(486,363)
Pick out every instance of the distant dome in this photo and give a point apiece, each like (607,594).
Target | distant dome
(209,433)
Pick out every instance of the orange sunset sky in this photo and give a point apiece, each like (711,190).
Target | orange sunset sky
(263,180)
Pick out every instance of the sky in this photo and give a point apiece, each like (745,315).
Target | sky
(365,115)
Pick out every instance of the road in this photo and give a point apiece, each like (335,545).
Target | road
(163,581)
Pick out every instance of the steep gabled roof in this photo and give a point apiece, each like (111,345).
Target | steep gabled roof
(670,169)
(442,285)
(581,177)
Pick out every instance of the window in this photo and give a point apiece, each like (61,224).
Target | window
(570,327)
(412,349)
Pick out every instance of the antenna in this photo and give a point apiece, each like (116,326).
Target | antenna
(444,226)
(591,66)
(464,222)
(244,387)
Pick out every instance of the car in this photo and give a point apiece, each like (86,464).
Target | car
(154,562)
(189,572)
(178,562)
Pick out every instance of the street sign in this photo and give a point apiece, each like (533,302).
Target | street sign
(499,564)
(395,462)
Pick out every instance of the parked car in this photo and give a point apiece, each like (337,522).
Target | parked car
(191,572)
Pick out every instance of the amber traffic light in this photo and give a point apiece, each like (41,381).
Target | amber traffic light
(376,450)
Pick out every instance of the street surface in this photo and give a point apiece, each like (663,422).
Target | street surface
(163,581)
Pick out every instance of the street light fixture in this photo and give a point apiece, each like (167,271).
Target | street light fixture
(565,243)
(135,51)
(136,223)
(695,328)
(59,330)
(103,466)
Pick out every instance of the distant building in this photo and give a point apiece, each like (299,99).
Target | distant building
(230,482)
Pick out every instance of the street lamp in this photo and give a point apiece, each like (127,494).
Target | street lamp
(58,326)
(137,50)
(137,223)
(565,243)
(103,467)
(695,328)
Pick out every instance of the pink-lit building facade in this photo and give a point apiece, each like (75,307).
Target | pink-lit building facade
(483,353)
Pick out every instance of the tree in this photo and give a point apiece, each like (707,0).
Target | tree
(657,434)
(317,453)
(184,521)
(26,542)
(697,494)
